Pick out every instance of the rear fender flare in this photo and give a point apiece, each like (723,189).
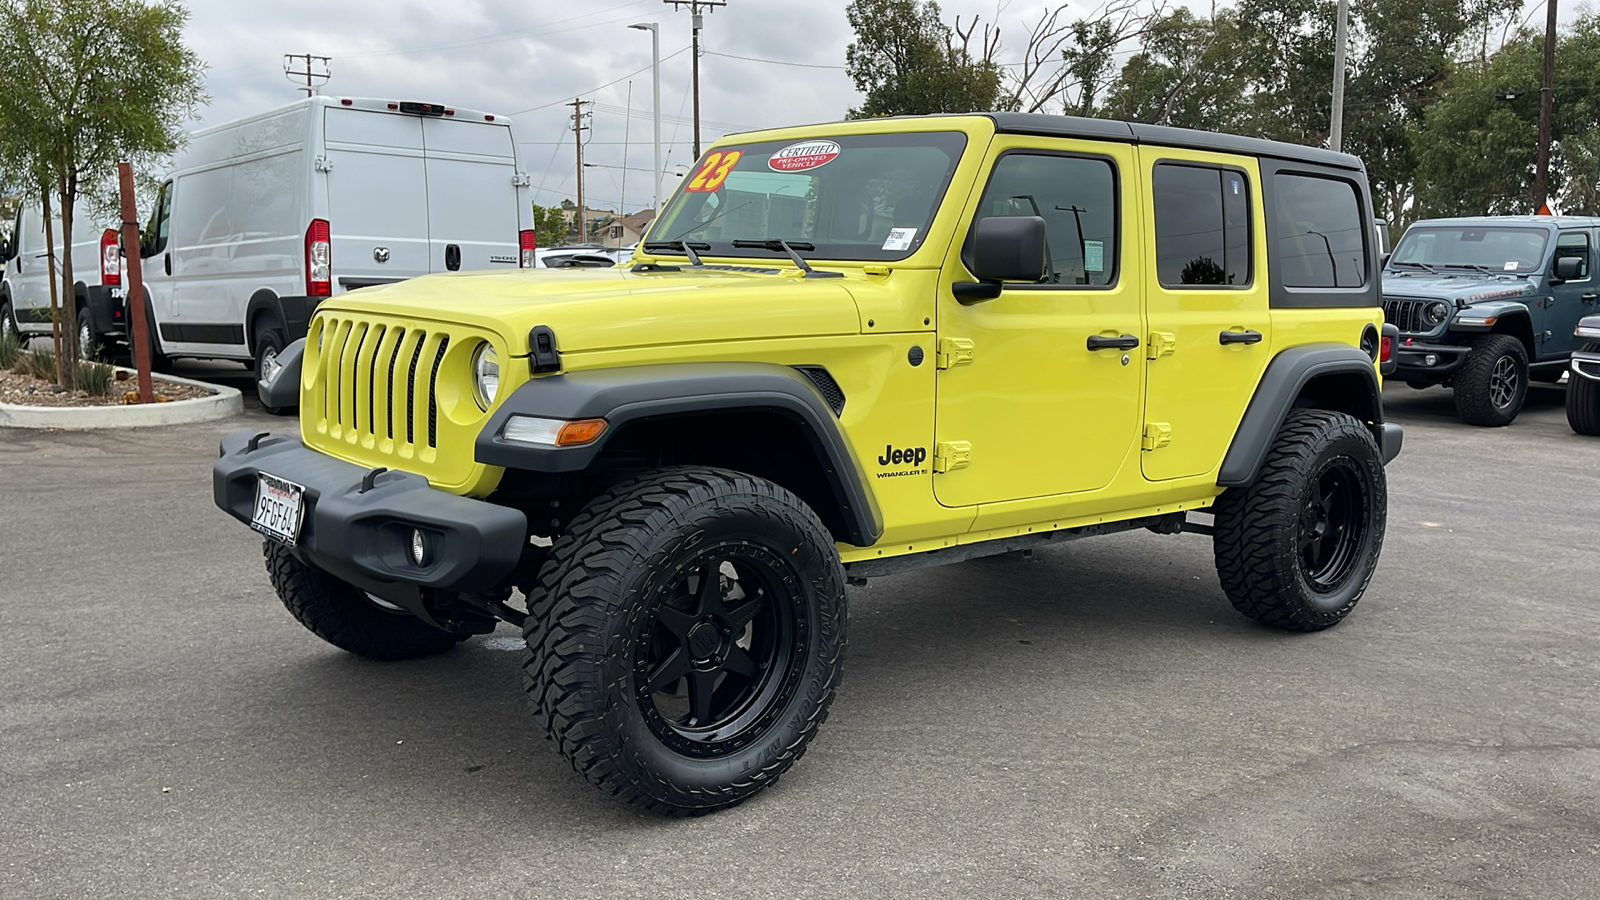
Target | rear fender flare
(1283,384)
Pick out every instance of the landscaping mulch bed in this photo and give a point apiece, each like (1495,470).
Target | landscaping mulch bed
(29,391)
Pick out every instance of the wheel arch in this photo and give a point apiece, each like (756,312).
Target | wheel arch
(1335,377)
(263,303)
(1518,324)
(763,419)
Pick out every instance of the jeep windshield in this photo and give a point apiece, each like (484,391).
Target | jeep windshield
(856,197)
(1490,250)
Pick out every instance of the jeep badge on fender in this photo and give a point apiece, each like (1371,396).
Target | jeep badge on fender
(666,474)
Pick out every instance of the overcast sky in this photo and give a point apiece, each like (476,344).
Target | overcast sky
(526,58)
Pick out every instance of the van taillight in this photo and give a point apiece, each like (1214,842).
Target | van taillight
(110,258)
(527,241)
(319,259)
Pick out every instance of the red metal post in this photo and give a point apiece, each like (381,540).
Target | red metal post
(133,284)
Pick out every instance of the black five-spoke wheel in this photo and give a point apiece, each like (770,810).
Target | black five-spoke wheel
(1331,523)
(717,661)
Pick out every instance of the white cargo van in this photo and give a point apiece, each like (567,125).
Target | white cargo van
(265,216)
(97,278)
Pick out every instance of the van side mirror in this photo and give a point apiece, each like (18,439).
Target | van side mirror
(1568,268)
(1004,248)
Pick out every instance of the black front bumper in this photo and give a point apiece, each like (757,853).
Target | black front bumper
(1411,361)
(365,537)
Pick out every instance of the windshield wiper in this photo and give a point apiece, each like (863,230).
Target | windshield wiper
(1429,269)
(777,245)
(1484,269)
(687,248)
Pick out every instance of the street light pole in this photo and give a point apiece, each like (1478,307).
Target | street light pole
(655,77)
(1340,38)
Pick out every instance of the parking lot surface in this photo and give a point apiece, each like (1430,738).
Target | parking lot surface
(1094,722)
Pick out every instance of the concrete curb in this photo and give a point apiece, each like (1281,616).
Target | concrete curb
(224,403)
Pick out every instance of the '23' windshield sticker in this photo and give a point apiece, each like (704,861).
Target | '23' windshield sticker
(714,171)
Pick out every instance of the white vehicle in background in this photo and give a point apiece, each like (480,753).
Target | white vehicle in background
(264,217)
(97,279)
(584,256)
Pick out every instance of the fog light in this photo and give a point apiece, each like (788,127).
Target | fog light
(419,547)
(1431,359)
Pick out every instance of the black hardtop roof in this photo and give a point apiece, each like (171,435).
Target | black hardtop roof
(1165,136)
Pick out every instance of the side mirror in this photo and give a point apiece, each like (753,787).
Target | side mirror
(1567,268)
(1004,248)
(1383,261)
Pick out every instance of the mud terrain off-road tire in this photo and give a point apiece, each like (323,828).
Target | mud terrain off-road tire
(1492,386)
(1296,549)
(1583,401)
(668,690)
(345,617)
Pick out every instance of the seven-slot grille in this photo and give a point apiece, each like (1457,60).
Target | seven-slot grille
(1406,315)
(377,384)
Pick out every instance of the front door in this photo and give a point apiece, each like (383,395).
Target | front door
(1209,319)
(1572,300)
(1036,394)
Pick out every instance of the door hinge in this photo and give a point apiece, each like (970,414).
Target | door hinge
(522,179)
(954,352)
(1161,343)
(1157,435)
(949,456)
(323,164)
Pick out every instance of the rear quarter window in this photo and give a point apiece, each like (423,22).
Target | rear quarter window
(1319,234)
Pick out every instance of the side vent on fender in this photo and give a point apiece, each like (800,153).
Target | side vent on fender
(825,384)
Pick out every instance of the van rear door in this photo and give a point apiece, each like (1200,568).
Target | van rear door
(377,197)
(473,200)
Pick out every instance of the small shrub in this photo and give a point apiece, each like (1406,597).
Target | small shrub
(10,350)
(96,378)
(40,364)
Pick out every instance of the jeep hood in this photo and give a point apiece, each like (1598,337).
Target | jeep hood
(1466,288)
(604,309)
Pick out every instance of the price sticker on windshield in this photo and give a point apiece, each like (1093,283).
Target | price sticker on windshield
(714,171)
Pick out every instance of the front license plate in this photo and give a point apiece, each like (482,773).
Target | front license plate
(280,506)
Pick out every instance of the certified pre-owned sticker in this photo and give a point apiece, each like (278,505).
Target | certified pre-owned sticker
(802,156)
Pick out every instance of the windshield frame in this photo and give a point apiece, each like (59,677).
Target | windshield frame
(1437,266)
(956,141)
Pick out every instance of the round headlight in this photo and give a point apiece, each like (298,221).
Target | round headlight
(485,374)
(1437,312)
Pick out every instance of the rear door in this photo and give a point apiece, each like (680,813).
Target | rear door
(472,195)
(1571,300)
(377,197)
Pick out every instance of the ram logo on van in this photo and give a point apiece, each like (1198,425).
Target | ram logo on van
(380,254)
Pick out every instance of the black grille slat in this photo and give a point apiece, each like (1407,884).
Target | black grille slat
(433,396)
(411,389)
(1406,315)
(394,357)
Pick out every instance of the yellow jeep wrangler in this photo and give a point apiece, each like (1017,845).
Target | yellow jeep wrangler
(843,351)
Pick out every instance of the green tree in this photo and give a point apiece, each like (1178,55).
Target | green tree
(89,82)
(906,61)
(549,227)
(1476,146)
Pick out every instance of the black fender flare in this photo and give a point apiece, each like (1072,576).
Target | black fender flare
(632,394)
(292,313)
(1281,386)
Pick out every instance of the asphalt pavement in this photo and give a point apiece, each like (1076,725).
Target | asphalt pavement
(1096,722)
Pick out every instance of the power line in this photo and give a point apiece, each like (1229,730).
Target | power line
(602,87)
(776,62)
(503,36)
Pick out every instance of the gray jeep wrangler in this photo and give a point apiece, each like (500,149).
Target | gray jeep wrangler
(1484,304)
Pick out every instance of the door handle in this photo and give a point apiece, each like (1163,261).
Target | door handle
(166,262)
(1125,342)
(1588,298)
(1239,337)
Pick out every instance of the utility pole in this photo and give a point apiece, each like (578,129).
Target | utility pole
(1341,30)
(696,21)
(1541,178)
(578,128)
(316,67)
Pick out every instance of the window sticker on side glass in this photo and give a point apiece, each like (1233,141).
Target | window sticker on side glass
(899,239)
(1094,256)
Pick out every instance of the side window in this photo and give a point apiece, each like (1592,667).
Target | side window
(161,220)
(1318,238)
(1202,226)
(1575,244)
(1077,198)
